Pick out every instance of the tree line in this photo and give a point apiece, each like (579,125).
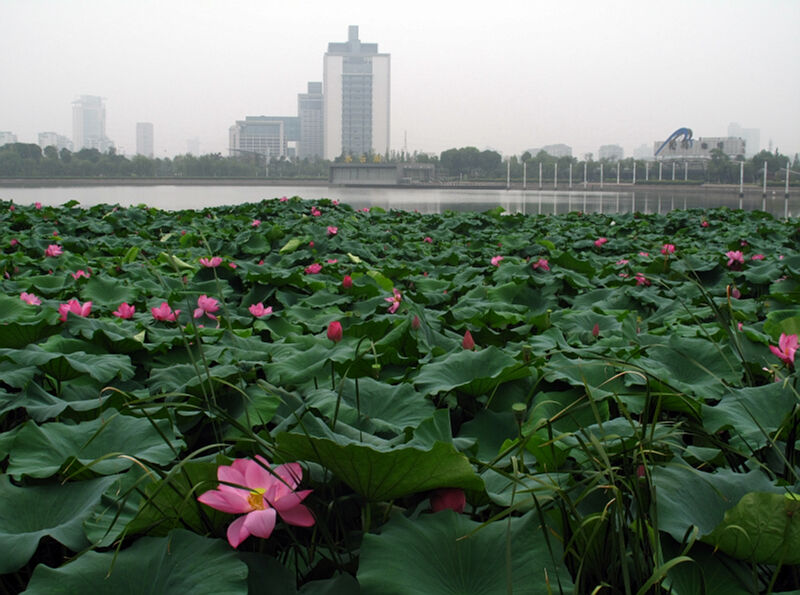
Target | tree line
(27,160)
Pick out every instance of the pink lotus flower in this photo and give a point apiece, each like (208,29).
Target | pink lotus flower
(212,262)
(704,223)
(315,212)
(164,313)
(332,260)
(668,249)
(75,307)
(596,330)
(428,240)
(448,498)
(468,342)
(622,261)
(283,199)
(541,264)
(124,311)
(55,234)
(311,244)
(207,306)
(735,258)
(347,282)
(258,491)
(313,269)
(415,323)
(332,231)
(14,242)
(394,300)
(53,250)
(258,310)
(80,273)
(641,279)
(30,299)
(786,349)
(335,202)
(496,261)
(757,257)
(255,223)
(233,265)
(600,241)
(645,254)
(335,331)
(38,205)
(365,210)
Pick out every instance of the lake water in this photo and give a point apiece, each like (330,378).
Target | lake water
(424,200)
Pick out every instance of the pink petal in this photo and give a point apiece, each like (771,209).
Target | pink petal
(226,501)
(299,516)
(237,532)
(260,522)
(290,473)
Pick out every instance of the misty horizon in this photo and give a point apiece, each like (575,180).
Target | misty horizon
(518,77)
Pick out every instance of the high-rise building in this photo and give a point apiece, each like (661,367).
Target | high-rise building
(264,135)
(53,139)
(355,91)
(144,139)
(610,152)
(89,124)
(750,136)
(309,112)
(7,138)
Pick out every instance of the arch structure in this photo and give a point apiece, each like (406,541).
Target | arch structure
(686,133)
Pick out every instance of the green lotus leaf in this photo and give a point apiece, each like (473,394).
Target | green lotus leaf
(447,554)
(179,563)
(107,444)
(29,513)
(108,292)
(762,528)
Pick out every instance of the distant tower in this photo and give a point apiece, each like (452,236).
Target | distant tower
(309,111)
(144,139)
(89,124)
(356,97)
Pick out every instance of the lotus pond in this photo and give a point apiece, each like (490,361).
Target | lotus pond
(297,397)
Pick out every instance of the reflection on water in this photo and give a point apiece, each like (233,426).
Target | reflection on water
(427,200)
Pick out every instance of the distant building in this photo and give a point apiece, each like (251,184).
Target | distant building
(53,139)
(700,148)
(144,139)
(264,135)
(643,153)
(610,152)
(558,150)
(751,137)
(7,138)
(193,146)
(89,124)
(356,85)
(309,111)
(380,174)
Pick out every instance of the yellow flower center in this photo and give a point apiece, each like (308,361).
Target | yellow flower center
(256,499)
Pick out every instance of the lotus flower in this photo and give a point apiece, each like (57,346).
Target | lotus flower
(164,313)
(30,299)
(80,273)
(347,282)
(212,262)
(258,310)
(415,323)
(315,212)
(757,257)
(255,223)
(207,306)
(467,342)
(124,311)
(667,249)
(496,260)
(735,258)
(261,493)
(75,307)
(38,205)
(786,349)
(448,498)
(313,269)
(541,264)
(14,242)
(600,241)
(335,331)
(395,300)
(332,231)
(596,330)
(428,240)
(53,250)
(641,279)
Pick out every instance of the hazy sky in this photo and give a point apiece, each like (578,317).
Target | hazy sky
(504,75)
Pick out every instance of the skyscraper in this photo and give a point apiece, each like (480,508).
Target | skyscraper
(89,124)
(355,98)
(309,112)
(144,139)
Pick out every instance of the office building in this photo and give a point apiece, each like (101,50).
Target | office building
(7,138)
(700,148)
(53,139)
(309,113)
(610,152)
(264,135)
(144,139)
(355,87)
(751,137)
(89,124)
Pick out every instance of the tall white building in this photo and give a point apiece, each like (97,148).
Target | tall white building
(750,136)
(144,139)
(309,112)
(356,106)
(89,124)
(53,139)
(7,138)
(610,152)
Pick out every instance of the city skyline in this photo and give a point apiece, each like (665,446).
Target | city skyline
(510,78)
